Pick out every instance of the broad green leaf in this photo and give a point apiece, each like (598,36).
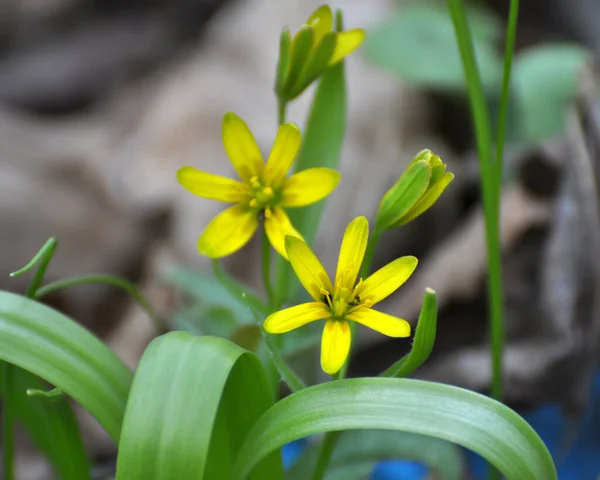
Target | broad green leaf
(449,413)
(192,403)
(546,79)
(52,426)
(403,195)
(52,346)
(423,341)
(358,451)
(418,44)
(321,147)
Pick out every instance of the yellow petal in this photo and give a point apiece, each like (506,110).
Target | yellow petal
(211,186)
(278,225)
(321,21)
(386,280)
(308,268)
(335,345)
(308,186)
(291,318)
(428,199)
(241,147)
(346,43)
(284,151)
(352,253)
(229,231)
(380,322)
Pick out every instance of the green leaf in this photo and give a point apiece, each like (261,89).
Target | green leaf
(449,413)
(358,451)
(423,341)
(192,403)
(403,195)
(321,147)
(51,425)
(418,44)
(55,348)
(546,79)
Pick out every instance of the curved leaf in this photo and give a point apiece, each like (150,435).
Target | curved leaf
(466,418)
(192,403)
(358,451)
(52,346)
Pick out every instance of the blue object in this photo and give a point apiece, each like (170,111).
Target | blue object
(291,452)
(575,447)
(399,470)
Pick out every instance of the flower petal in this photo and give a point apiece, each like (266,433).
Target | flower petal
(335,345)
(352,253)
(278,225)
(291,318)
(386,280)
(284,151)
(229,231)
(241,147)
(211,186)
(346,43)
(321,21)
(380,322)
(308,268)
(309,186)
(431,196)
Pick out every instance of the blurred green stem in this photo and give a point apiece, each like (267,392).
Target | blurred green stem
(8,371)
(266,266)
(159,323)
(490,180)
(281,108)
(327,446)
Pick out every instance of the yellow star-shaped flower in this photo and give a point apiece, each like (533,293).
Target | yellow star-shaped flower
(263,192)
(345,300)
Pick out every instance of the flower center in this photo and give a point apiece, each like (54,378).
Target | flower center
(343,300)
(262,196)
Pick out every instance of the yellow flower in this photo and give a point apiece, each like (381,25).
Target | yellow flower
(345,300)
(315,47)
(262,193)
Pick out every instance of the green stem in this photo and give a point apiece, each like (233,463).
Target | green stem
(497,325)
(118,282)
(281,108)
(327,446)
(490,185)
(266,267)
(43,256)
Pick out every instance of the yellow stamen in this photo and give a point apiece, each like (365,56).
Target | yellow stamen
(254,203)
(368,303)
(268,213)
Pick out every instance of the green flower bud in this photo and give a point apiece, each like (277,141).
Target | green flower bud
(314,48)
(416,191)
